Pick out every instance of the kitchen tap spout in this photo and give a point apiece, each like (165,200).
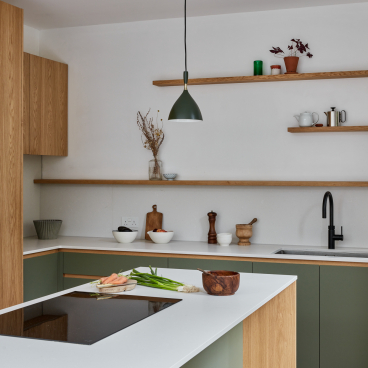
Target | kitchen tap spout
(328,195)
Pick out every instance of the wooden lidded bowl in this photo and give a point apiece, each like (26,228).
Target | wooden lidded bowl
(221,282)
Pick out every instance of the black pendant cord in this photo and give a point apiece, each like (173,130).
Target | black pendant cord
(185,33)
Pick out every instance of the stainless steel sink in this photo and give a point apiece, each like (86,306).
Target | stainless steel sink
(324,253)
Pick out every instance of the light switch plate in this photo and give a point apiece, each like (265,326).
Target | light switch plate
(129,221)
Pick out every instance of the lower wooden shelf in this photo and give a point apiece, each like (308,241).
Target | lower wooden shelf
(244,183)
(362,128)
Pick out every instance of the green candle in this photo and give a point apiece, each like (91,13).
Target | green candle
(258,67)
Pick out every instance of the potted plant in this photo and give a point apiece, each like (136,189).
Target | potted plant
(152,138)
(296,49)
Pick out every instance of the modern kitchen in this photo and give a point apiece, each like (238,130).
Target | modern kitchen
(183,184)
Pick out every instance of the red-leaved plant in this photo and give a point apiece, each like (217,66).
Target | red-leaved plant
(297,48)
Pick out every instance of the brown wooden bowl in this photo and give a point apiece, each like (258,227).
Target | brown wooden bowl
(221,282)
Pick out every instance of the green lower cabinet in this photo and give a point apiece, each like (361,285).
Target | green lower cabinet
(41,276)
(70,282)
(210,264)
(344,317)
(106,264)
(226,352)
(307,308)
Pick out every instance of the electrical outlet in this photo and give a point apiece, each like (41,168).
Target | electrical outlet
(129,221)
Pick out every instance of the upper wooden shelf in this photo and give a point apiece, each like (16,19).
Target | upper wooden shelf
(245,183)
(264,78)
(362,128)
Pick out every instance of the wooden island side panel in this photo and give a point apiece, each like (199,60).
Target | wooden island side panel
(269,334)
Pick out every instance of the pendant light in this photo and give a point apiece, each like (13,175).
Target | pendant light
(185,109)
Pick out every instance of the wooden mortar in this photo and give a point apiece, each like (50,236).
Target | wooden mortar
(244,233)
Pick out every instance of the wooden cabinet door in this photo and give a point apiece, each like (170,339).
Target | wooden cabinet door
(11,155)
(48,107)
(210,264)
(26,116)
(307,287)
(344,317)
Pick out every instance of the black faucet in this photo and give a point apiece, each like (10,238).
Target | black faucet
(332,237)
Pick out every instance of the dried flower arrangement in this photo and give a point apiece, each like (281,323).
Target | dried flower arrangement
(152,137)
(297,48)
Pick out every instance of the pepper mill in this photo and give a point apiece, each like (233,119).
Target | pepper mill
(212,236)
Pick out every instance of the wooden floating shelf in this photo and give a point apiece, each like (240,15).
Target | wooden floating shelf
(234,183)
(363,128)
(264,78)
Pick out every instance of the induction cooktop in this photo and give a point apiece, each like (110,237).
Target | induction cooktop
(80,317)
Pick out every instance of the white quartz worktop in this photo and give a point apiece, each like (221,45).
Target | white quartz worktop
(33,245)
(164,340)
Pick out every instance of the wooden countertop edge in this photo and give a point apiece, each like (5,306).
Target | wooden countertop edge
(196,256)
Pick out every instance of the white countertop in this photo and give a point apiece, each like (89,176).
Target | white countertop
(164,340)
(34,245)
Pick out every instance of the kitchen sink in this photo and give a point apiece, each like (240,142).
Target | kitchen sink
(325,253)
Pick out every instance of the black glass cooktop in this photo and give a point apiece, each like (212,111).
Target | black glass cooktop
(79,317)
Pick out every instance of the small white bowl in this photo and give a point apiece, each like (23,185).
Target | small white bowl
(161,238)
(170,176)
(125,237)
(224,239)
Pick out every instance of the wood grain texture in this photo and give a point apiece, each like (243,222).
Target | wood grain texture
(263,78)
(269,334)
(26,111)
(45,253)
(153,221)
(48,107)
(221,283)
(47,327)
(11,323)
(11,155)
(231,183)
(222,258)
(88,277)
(324,129)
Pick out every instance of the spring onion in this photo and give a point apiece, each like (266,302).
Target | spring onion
(159,282)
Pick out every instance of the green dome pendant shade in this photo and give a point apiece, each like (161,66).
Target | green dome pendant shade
(185,109)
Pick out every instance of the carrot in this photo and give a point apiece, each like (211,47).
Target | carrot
(111,278)
(120,280)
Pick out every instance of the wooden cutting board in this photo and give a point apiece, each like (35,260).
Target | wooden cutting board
(153,221)
(119,289)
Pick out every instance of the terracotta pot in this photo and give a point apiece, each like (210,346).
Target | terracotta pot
(221,283)
(291,63)
(244,233)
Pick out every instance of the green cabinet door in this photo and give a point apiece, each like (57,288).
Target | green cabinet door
(70,282)
(307,307)
(106,264)
(210,264)
(41,276)
(344,317)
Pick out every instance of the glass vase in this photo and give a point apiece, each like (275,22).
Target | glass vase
(154,169)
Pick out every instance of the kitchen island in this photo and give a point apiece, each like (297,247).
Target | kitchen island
(255,328)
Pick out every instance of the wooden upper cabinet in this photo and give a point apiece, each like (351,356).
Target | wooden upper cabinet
(45,119)
(25,116)
(11,157)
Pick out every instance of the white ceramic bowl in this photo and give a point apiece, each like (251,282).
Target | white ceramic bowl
(127,237)
(224,239)
(170,176)
(161,238)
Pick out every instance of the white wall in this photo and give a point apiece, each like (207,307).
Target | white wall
(243,136)
(31,164)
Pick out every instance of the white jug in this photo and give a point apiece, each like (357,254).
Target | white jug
(305,119)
